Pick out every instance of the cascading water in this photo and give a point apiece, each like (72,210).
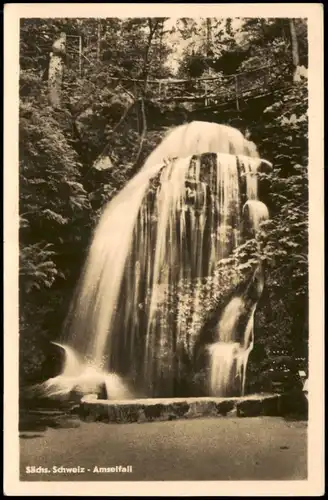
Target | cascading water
(172,223)
(230,352)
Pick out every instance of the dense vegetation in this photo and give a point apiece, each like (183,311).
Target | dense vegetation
(76,156)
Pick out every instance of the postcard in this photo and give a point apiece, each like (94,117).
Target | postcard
(163,239)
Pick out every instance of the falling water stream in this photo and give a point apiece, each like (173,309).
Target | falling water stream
(172,223)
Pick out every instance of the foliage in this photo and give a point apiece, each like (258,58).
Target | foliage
(286,247)
(36,268)
(53,201)
(282,320)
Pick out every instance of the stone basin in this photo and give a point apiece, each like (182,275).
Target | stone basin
(162,409)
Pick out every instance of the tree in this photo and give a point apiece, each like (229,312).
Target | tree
(294,41)
(56,67)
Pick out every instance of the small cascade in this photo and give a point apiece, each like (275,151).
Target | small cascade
(223,358)
(84,378)
(229,358)
(173,222)
(255,212)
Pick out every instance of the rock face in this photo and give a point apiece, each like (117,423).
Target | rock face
(148,410)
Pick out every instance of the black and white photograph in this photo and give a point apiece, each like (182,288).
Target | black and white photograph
(169,271)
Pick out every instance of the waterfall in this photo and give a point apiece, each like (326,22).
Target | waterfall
(171,224)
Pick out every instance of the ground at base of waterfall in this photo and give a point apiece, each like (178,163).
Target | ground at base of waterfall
(258,448)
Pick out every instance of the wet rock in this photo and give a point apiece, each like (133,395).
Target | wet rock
(199,409)
(141,416)
(225,407)
(90,413)
(127,413)
(265,405)
(154,412)
(178,409)
(111,414)
(232,413)
(75,395)
(122,413)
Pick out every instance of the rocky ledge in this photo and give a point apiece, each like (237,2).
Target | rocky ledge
(147,410)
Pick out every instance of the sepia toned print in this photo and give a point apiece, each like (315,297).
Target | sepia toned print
(165,251)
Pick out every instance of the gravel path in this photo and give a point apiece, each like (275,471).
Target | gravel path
(258,448)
